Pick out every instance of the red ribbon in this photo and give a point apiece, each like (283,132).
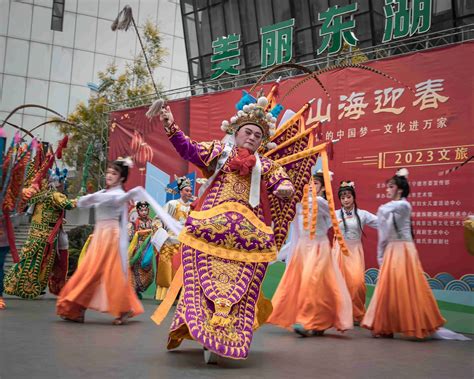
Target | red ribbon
(243,161)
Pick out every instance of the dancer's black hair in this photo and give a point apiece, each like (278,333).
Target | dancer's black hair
(402,183)
(320,178)
(351,190)
(121,168)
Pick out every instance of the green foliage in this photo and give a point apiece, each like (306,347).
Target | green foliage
(133,83)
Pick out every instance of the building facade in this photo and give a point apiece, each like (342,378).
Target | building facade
(49,67)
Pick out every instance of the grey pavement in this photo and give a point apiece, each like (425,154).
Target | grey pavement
(34,343)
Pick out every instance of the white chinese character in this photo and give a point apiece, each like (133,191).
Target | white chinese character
(363,131)
(319,117)
(400,127)
(340,133)
(427,124)
(388,129)
(413,126)
(427,93)
(351,133)
(389,95)
(355,107)
(441,123)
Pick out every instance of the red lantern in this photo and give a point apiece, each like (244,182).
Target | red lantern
(144,154)
(137,141)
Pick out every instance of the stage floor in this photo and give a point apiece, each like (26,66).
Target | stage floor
(34,343)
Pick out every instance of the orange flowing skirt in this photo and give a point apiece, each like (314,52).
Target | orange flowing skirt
(99,282)
(353,270)
(403,301)
(312,291)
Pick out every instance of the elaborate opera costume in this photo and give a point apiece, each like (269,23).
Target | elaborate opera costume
(168,244)
(312,295)
(141,250)
(228,239)
(352,224)
(44,256)
(101,281)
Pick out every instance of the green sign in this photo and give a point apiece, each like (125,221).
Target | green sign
(335,29)
(402,18)
(225,56)
(277,43)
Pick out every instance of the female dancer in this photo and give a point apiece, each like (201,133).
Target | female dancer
(402,301)
(352,221)
(312,295)
(101,281)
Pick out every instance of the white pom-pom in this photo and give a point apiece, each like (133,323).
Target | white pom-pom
(233,119)
(252,106)
(246,108)
(224,128)
(262,101)
(271,132)
(271,145)
(269,116)
(225,123)
(240,113)
(274,120)
(403,172)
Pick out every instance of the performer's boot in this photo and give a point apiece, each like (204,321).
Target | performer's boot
(210,357)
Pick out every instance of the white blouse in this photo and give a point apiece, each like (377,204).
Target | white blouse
(297,231)
(352,231)
(395,211)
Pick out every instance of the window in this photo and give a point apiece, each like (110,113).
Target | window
(57,15)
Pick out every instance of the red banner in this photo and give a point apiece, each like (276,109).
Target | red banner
(422,121)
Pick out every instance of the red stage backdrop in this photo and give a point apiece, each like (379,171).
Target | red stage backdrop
(382,126)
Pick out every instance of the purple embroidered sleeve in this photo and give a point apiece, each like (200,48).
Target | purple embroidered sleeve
(199,153)
(275,176)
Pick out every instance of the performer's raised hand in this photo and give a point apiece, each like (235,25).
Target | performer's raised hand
(284,191)
(166,116)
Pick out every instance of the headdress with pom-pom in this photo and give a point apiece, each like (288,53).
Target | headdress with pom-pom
(252,111)
(402,172)
(320,173)
(127,161)
(347,183)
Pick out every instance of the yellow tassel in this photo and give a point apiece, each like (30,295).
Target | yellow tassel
(165,306)
(332,208)
(84,249)
(133,245)
(305,207)
(314,215)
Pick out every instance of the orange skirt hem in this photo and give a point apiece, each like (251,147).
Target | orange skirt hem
(99,282)
(403,301)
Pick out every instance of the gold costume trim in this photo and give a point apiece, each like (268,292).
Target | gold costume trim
(232,207)
(223,252)
(301,155)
